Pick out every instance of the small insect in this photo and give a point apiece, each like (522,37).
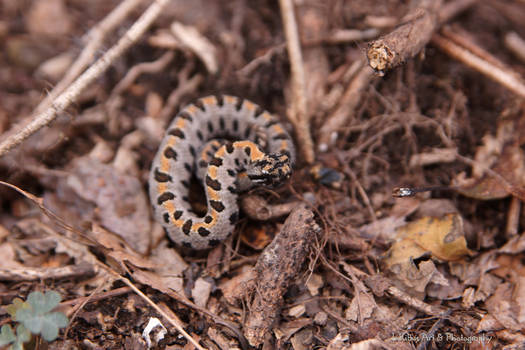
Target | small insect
(411,191)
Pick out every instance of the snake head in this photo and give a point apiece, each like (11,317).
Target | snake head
(271,170)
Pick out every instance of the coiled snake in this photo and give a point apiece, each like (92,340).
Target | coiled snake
(199,141)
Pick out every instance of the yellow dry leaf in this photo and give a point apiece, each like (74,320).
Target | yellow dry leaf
(439,238)
(401,253)
(442,237)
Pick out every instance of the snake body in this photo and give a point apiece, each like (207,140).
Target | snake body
(199,141)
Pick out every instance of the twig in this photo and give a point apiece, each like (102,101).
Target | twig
(453,8)
(513,217)
(98,68)
(381,22)
(94,297)
(175,96)
(185,86)
(462,38)
(505,77)
(436,155)
(141,68)
(407,40)
(459,320)
(41,273)
(74,311)
(516,44)
(198,44)
(265,58)
(381,285)
(347,105)
(96,38)
(361,190)
(298,114)
(341,36)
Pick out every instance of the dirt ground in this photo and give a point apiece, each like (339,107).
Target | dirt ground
(400,228)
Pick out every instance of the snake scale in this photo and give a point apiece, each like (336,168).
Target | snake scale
(230,144)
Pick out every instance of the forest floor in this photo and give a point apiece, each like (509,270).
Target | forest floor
(400,227)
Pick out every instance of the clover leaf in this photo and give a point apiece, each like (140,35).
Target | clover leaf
(7,336)
(15,306)
(38,318)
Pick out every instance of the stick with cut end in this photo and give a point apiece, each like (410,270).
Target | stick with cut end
(413,35)
(407,40)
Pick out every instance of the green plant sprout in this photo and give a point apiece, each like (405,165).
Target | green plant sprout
(34,316)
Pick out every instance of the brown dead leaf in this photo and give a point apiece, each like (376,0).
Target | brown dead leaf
(166,285)
(504,308)
(519,299)
(486,287)
(314,283)
(469,272)
(371,344)
(119,250)
(452,290)
(8,254)
(514,245)
(363,304)
(168,261)
(385,228)
(234,288)
(296,311)
(436,207)
(476,273)
(509,266)
(287,329)
(99,237)
(416,278)
(361,307)
(439,238)
(122,204)
(503,155)
(51,215)
(302,340)
(201,291)
(488,323)
(339,342)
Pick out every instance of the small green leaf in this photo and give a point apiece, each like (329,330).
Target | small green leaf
(49,331)
(52,322)
(38,319)
(58,318)
(22,333)
(30,320)
(43,303)
(17,346)
(6,335)
(16,305)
